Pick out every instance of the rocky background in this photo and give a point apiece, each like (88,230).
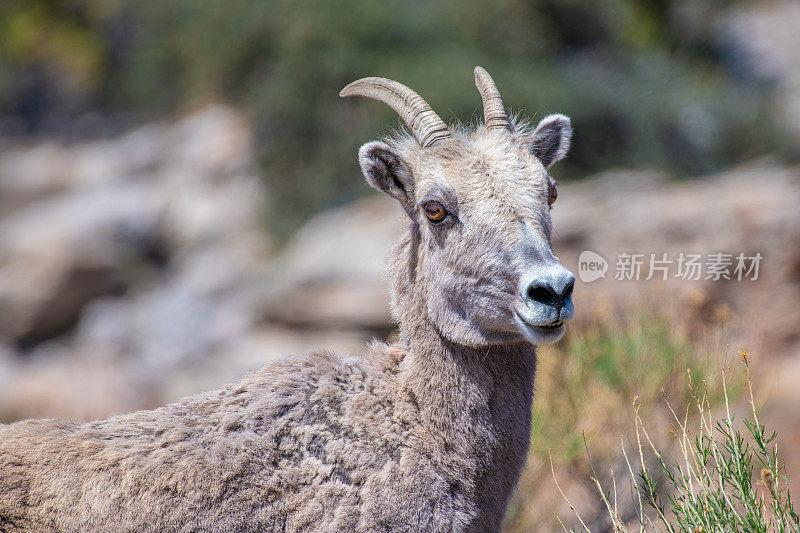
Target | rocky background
(153,261)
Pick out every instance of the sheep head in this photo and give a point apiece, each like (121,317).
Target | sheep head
(478,259)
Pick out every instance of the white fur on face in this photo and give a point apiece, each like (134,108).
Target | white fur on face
(470,268)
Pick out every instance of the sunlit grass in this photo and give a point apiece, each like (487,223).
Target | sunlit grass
(725,476)
(595,372)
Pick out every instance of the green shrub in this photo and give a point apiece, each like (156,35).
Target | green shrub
(727,476)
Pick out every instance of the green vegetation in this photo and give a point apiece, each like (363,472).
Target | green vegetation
(645,82)
(597,369)
(725,476)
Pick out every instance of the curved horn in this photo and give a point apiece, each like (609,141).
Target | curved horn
(424,123)
(494,114)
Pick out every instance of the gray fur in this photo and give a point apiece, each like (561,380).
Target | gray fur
(427,434)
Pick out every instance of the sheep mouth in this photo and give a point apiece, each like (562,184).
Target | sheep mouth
(546,333)
(553,325)
(551,329)
(550,326)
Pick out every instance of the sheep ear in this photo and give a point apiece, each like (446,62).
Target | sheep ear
(385,170)
(551,139)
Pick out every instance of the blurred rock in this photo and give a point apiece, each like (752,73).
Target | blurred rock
(60,382)
(332,273)
(86,221)
(122,260)
(59,253)
(766,40)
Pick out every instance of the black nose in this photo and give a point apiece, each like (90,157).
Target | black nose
(555,291)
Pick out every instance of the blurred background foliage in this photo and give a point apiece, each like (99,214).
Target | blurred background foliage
(647,83)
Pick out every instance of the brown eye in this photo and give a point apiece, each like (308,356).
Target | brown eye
(553,192)
(434,211)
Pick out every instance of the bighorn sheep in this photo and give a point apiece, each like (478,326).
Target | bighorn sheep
(427,434)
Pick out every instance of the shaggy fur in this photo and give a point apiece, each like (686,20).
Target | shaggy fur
(427,434)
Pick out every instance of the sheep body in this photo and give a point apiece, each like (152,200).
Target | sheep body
(319,443)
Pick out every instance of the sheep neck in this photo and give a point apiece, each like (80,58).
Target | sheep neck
(450,381)
(475,403)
